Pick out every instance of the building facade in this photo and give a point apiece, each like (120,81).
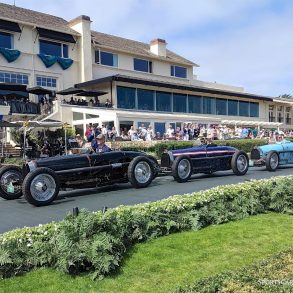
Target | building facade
(144,83)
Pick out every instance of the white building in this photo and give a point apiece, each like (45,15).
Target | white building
(145,83)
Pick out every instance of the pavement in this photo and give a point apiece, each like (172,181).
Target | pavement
(18,213)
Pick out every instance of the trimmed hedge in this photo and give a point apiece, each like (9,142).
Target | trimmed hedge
(245,145)
(274,274)
(97,242)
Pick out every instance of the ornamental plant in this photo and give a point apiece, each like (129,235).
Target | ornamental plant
(97,242)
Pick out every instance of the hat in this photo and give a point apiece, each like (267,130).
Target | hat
(100,136)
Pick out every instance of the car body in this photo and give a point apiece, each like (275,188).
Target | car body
(40,180)
(203,159)
(273,155)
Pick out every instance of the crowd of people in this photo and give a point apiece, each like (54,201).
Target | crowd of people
(93,102)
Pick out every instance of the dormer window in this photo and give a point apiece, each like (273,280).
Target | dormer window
(6,40)
(53,48)
(178,71)
(142,65)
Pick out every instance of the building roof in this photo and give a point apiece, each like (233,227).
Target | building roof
(163,84)
(135,47)
(18,14)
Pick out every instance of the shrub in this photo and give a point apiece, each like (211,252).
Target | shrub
(97,242)
(245,145)
(159,147)
(273,274)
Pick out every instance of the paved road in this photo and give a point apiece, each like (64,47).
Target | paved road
(19,213)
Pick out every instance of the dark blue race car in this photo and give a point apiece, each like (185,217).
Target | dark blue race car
(204,159)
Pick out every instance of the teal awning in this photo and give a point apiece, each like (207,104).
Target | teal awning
(9,54)
(65,63)
(48,60)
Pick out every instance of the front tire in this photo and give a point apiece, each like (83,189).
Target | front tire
(272,161)
(141,172)
(41,187)
(182,169)
(239,163)
(10,182)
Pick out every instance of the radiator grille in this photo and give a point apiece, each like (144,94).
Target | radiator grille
(255,154)
(165,160)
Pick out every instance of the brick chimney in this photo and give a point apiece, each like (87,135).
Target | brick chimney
(158,47)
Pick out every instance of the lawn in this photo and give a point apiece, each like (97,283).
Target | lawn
(163,264)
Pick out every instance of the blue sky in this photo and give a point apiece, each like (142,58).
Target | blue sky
(239,42)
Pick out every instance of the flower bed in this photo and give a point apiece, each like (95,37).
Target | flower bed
(97,242)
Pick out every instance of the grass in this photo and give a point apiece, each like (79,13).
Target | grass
(163,264)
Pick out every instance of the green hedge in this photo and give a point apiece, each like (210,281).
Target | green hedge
(242,144)
(245,145)
(97,242)
(273,274)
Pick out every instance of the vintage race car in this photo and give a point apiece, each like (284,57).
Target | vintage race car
(273,155)
(203,159)
(40,181)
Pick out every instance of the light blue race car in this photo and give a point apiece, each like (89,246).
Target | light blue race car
(273,155)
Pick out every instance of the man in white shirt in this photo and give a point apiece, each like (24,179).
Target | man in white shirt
(170,131)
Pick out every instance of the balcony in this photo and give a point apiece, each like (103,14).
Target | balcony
(272,119)
(288,121)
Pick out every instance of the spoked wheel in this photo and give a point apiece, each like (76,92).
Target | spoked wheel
(41,187)
(182,169)
(140,172)
(272,161)
(239,163)
(10,182)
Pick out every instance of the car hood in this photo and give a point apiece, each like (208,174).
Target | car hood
(202,148)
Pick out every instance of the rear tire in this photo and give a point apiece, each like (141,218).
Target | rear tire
(182,169)
(239,163)
(272,161)
(41,187)
(141,172)
(10,174)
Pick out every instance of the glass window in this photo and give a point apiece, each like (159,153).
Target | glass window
(221,107)
(254,110)
(232,108)
(65,51)
(107,58)
(12,77)
(208,105)
(143,124)
(163,102)
(50,48)
(243,108)
(6,40)
(160,127)
(179,103)
(195,104)
(77,116)
(178,71)
(125,97)
(142,65)
(46,81)
(145,99)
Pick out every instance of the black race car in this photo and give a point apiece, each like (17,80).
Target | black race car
(204,159)
(40,181)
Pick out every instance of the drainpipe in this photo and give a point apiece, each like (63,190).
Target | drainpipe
(111,83)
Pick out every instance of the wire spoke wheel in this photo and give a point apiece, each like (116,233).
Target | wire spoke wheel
(142,172)
(241,163)
(43,187)
(184,168)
